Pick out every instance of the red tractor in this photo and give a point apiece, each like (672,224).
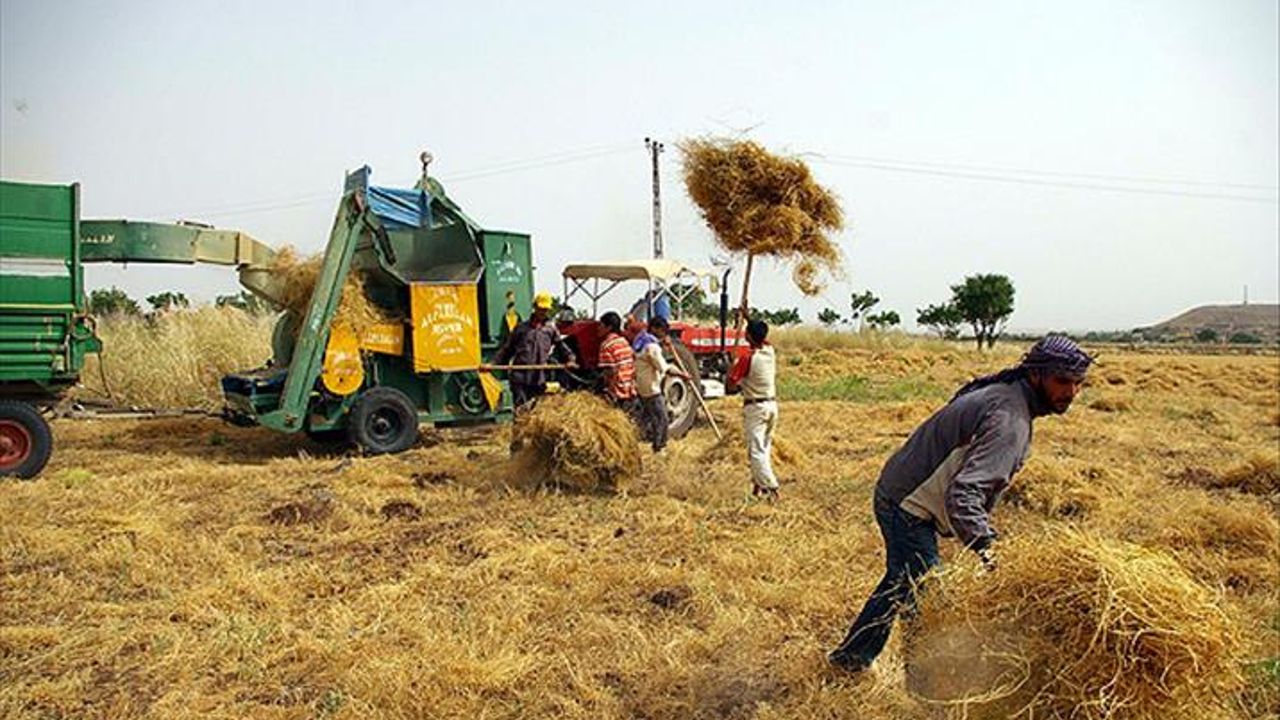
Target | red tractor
(703,350)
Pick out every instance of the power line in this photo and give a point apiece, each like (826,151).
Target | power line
(541,162)
(1046,183)
(1050,173)
(560,158)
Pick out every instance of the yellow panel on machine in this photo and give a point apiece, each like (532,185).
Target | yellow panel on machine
(385,338)
(446,326)
(343,370)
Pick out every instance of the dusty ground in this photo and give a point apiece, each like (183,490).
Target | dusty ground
(182,568)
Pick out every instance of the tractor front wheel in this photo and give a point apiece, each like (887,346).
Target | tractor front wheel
(384,420)
(25,440)
(682,395)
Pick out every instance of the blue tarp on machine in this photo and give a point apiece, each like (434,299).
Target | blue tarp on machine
(400,209)
(397,208)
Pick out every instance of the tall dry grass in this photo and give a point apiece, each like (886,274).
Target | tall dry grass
(184,568)
(175,359)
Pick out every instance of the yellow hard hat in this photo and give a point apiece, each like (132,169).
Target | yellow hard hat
(542,301)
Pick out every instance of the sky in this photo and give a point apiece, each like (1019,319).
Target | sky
(1117,159)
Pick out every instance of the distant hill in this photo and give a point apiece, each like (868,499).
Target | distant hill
(1260,320)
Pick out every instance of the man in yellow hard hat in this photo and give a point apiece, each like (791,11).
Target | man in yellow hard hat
(532,344)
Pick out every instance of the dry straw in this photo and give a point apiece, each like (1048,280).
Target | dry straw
(731,448)
(1074,625)
(298,277)
(176,359)
(576,440)
(759,203)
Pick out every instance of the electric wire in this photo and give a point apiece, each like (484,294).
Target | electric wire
(1045,183)
(551,160)
(961,171)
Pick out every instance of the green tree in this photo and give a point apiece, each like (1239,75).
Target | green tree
(884,320)
(113,301)
(985,302)
(860,304)
(695,305)
(1207,335)
(168,301)
(777,318)
(1244,338)
(829,317)
(944,319)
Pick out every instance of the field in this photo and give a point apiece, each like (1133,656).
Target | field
(184,568)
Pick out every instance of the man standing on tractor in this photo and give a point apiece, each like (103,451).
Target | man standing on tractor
(618,363)
(755,372)
(948,476)
(530,348)
(651,370)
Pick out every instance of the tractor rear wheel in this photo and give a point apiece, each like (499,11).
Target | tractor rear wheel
(25,440)
(682,402)
(383,420)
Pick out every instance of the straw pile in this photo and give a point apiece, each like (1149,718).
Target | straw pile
(732,448)
(298,277)
(1060,489)
(1259,475)
(1076,626)
(764,204)
(576,440)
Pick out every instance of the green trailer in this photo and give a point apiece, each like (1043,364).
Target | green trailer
(45,330)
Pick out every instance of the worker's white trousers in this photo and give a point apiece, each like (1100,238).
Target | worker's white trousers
(758,422)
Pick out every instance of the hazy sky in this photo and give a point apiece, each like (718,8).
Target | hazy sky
(962,137)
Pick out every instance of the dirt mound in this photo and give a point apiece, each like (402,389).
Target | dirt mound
(401,510)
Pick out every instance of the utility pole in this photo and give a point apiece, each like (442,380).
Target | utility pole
(655,148)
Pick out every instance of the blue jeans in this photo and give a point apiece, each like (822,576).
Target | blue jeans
(911,548)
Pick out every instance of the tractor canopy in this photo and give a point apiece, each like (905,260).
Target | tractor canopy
(671,279)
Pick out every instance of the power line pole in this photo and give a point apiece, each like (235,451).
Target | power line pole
(654,147)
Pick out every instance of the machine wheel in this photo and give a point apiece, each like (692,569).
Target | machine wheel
(25,440)
(384,420)
(682,404)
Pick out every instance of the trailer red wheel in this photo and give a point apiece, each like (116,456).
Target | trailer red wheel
(15,444)
(25,440)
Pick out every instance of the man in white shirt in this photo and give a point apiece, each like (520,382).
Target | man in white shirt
(755,373)
(651,370)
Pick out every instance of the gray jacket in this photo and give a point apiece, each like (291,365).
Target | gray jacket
(954,467)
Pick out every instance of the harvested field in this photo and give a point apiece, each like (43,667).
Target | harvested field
(183,568)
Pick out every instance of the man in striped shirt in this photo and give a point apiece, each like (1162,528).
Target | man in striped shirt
(617,362)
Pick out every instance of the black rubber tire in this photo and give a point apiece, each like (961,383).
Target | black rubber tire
(383,420)
(37,434)
(682,405)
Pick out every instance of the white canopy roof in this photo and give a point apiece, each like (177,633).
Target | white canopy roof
(649,269)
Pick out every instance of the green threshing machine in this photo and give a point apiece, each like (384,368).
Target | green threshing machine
(448,285)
